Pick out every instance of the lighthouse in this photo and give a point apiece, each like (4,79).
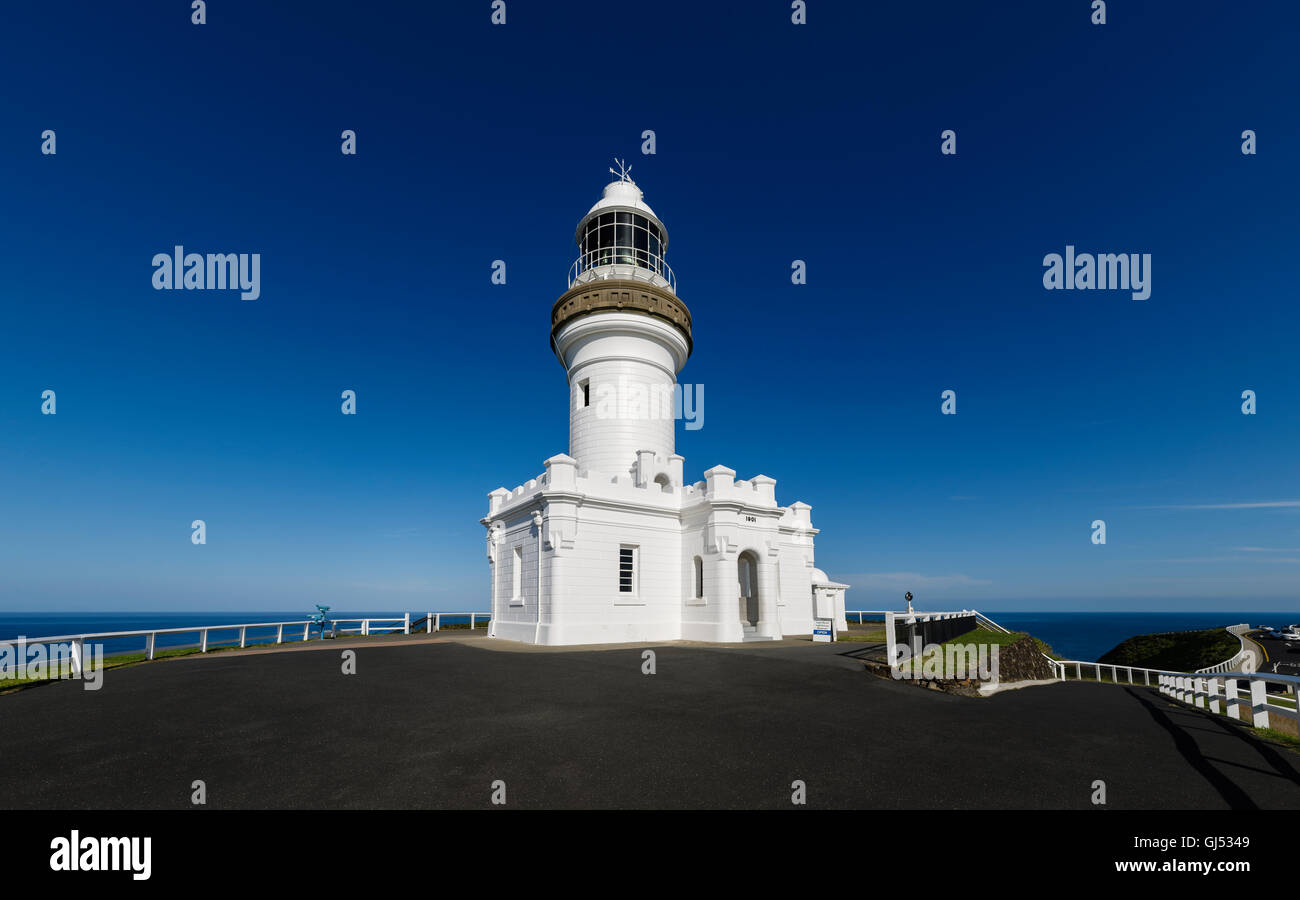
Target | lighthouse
(610,544)
(621,333)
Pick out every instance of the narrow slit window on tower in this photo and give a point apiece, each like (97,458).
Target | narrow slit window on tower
(517,572)
(627,570)
(699,578)
(584,397)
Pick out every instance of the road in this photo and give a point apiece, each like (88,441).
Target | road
(1282,657)
(434,724)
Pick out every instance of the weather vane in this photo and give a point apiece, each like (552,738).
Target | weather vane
(622,171)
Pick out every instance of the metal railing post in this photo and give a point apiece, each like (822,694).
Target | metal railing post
(1214,695)
(437,621)
(279,634)
(78,654)
(471,621)
(428,623)
(406,628)
(149,645)
(203,641)
(243,636)
(1259,702)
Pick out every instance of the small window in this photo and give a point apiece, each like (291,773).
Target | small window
(699,578)
(518,573)
(584,396)
(627,570)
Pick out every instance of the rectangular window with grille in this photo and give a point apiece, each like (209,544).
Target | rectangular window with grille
(627,570)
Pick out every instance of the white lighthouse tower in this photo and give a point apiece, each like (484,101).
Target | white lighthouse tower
(610,544)
(622,335)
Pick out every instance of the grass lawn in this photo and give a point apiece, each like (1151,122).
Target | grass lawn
(116,661)
(986,637)
(1184,651)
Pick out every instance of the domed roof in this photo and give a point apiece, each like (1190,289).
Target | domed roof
(622,194)
(819,577)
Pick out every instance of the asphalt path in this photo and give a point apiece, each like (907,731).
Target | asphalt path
(1282,657)
(435,724)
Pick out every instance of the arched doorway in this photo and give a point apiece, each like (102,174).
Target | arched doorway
(747,575)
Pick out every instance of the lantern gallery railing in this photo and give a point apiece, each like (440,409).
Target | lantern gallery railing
(635,265)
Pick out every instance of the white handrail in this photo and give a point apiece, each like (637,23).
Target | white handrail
(150,634)
(1228,664)
(865,612)
(147,631)
(1203,690)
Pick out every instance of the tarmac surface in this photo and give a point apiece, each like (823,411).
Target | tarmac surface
(1279,656)
(433,722)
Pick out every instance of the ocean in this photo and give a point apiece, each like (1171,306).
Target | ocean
(1087,635)
(1074,635)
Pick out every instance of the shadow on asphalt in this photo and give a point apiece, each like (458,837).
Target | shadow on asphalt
(866,651)
(1187,746)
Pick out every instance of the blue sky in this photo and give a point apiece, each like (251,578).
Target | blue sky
(775,142)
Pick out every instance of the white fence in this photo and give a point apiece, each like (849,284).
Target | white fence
(866,612)
(983,619)
(432,622)
(1221,692)
(912,618)
(78,641)
(1243,659)
(1063,668)
(366,626)
(374,625)
(1231,665)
